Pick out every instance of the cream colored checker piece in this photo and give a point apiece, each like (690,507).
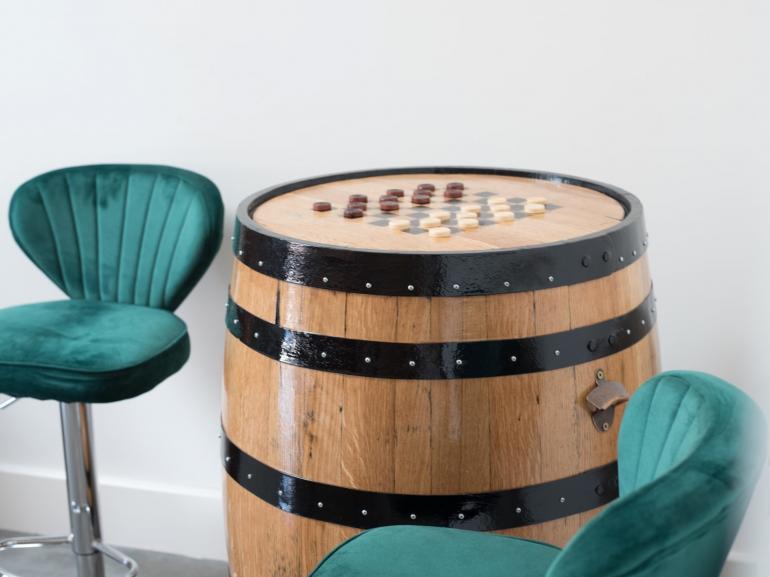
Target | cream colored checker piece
(442,215)
(471,208)
(534,208)
(468,223)
(463,214)
(430,222)
(497,200)
(504,216)
(536,200)
(500,208)
(399,223)
(439,232)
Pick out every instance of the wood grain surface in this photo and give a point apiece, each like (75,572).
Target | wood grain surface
(439,319)
(415,436)
(576,212)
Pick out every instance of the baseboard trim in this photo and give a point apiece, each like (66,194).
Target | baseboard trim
(171,519)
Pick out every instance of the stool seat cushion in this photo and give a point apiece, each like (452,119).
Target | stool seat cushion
(411,551)
(88,351)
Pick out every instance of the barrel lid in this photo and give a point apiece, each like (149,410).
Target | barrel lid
(533,230)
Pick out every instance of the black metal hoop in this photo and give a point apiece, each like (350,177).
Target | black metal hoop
(491,511)
(454,360)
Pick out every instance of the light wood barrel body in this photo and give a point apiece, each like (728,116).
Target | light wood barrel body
(342,408)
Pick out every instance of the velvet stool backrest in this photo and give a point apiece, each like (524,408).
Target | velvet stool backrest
(135,234)
(691,448)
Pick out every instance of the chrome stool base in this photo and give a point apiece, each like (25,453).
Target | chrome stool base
(86,563)
(85,539)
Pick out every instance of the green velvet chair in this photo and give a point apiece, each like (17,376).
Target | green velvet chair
(127,244)
(690,450)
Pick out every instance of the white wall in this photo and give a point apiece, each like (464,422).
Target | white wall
(667,99)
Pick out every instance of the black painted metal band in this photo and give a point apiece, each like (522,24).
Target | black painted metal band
(440,274)
(455,360)
(491,511)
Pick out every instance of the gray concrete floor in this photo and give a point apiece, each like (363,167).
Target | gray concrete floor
(58,562)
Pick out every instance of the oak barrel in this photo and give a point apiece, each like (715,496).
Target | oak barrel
(379,373)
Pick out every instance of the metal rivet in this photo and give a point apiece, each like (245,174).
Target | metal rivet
(367,360)
(459,362)
(413,516)
(325,279)
(605,426)
(227,304)
(586,261)
(506,284)
(621,259)
(240,253)
(280,492)
(644,243)
(652,310)
(320,505)
(235,321)
(461,516)
(323,355)
(599,490)
(249,476)
(550,278)
(368,285)
(518,509)
(644,322)
(606,256)
(412,363)
(513,358)
(557,352)
(628,331)
(364,512)
(227,459)
(456,286)
(634,252)
(256,335)
(260,263)
(593,345)
(232,238)
(562,500)
(410,287)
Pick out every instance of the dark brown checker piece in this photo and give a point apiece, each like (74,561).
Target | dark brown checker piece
(322,206)
(426,186)
(398,192)
(353,213)
(388,198)
(453,193)
(456,185)
(421,199)
(358,198)
(389,206)
(359,205)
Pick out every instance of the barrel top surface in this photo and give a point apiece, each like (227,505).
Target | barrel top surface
(527,230)
(571,211)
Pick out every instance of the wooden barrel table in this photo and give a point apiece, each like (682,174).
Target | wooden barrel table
(379,372)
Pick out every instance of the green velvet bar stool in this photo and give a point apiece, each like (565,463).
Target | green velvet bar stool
(691,448)
(127,244)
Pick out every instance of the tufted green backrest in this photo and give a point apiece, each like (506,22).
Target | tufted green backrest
(690,452)
(137,234)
